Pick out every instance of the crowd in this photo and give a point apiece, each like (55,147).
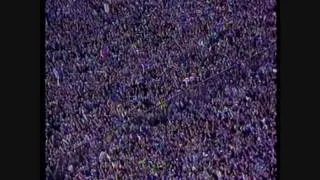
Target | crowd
(137,89)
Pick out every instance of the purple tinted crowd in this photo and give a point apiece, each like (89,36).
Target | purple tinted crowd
(137,89)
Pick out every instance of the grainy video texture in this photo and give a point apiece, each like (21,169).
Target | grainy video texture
(160,89)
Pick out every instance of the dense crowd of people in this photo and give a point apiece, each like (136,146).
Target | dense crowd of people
(164,89)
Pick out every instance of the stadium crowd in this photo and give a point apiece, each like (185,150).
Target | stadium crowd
(166,89)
